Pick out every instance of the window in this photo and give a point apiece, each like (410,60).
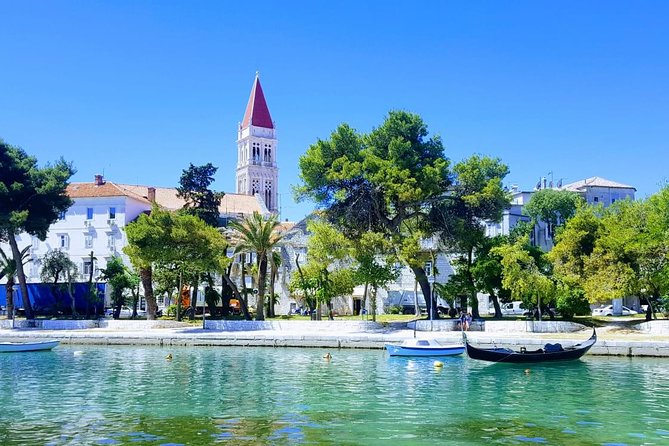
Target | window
(89,213)
(63,241)
(428,269)
(88,268)
(596,199)
(112,213)
(61,216)
(88,241)
(268,194)
(111,241)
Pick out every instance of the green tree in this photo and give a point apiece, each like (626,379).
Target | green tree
(384,181)
(328,250)
(630,252)
(574,244)
(487,272)
(552,206)
(477,195)
(525,275)
(375,265)
(181,242)
(31,199)
(119,277)
(258,234)
(200,200)
(8,270)
(60,271)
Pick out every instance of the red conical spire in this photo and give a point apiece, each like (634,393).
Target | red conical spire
(257,112)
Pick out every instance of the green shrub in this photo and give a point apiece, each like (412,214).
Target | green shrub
(171,311)
(395,309)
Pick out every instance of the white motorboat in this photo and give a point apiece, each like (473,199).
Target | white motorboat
(424,347)
(9,347)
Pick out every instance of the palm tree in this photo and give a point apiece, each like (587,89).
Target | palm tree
(258,234)
(275,263)
(8,269)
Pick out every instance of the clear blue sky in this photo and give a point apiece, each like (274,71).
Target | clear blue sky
(140,89)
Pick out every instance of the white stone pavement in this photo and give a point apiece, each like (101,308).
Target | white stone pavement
(325,334)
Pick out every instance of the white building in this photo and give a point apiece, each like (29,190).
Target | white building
(95,222)
(594,190)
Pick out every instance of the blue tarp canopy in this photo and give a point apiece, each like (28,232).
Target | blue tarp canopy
(49,300)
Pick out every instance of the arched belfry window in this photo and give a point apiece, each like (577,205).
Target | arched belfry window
(268,194)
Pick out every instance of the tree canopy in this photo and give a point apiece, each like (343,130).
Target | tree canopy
(31,199)
(200,200)
(384,181)
(552,206)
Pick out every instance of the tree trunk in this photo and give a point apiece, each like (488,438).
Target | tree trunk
(470,278)
(262,278)
(495,303)
(246,302)
(307,299)
(226,292)
(364,301)
(421,278)
(330,315)
(272,279)
(238,296)
(9,292)
(373,303)
(146,276)
(19,272)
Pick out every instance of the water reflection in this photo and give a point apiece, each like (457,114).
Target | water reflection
(121,395)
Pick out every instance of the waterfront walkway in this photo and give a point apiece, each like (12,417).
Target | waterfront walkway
(612,340)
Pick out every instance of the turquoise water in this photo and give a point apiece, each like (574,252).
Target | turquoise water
(248,396)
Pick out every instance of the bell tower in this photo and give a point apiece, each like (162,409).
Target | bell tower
(257,172)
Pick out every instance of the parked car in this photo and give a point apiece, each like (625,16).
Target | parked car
(126,312)
(607,310)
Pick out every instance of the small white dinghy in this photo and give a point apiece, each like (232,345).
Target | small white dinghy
(9,347)
(424,347)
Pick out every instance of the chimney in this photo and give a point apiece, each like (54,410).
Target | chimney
(99,180)
(151,194)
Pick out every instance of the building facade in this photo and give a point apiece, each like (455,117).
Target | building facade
(95,223)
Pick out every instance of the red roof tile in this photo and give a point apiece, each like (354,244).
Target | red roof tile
(257,113)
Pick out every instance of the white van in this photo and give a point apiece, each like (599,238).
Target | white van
(515,307)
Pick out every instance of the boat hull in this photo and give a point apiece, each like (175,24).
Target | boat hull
(523,356)
(401,350)
(11,347)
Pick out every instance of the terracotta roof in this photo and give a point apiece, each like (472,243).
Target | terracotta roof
(106,189)
(595,182)
(257,113)
(231,204)
(285,226)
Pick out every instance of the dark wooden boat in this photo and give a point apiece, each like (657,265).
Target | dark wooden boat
(550,352)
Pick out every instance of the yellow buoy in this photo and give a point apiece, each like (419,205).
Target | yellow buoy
(438,364)
(528,371)
(327,356)
(169,357)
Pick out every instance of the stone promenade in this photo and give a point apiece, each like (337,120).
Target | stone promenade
(640,341)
